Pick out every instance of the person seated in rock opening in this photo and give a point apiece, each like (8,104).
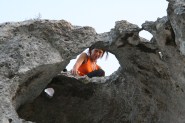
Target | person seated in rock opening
(86,64)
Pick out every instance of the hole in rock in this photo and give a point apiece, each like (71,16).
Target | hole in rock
(66,105)
(72,101)
(146,35)
(109,64)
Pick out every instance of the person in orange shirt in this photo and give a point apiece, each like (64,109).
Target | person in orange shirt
(86,64)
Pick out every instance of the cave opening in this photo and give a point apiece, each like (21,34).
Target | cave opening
(71,101)
(108,63)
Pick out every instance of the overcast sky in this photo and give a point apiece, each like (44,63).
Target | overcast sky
(99,14)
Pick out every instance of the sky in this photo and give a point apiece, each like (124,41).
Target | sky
(99,14)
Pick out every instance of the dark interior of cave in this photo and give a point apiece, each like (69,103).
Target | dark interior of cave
(62,106)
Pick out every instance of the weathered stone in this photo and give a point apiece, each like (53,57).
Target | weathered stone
(176,11)
(161,30)
(32,53)
(147,88)
(125,33)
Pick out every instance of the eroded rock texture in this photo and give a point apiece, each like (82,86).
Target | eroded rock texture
(148,87)
(176,14)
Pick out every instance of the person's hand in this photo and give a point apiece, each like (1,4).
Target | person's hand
(78,63)
(74,72)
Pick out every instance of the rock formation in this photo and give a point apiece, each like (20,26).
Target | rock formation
(147,88)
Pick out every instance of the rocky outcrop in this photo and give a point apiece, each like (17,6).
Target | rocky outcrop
(32,53)
(148,87)
(176,12)
(162,32)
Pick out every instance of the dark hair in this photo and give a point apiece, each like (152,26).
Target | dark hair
(104,51)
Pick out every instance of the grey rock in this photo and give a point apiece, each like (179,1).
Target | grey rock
(176,12)
(147,88)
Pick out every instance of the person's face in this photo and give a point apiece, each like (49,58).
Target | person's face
(96,54)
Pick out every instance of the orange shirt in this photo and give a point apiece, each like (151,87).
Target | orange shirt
(86,68)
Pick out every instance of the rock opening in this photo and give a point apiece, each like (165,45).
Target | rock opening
(148,87)
(109,64)
(69,96)
(145,34)
(71,102)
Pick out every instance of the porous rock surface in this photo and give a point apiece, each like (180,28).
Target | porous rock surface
(147,88)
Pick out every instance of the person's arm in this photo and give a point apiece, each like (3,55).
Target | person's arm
(78,63)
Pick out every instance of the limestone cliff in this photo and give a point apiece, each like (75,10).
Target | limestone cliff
(148,87)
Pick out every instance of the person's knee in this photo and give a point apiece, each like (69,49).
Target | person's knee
(96,73)
(101,72)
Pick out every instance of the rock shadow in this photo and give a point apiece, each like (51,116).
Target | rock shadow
(62,106)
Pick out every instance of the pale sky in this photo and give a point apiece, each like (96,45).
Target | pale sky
(99,14)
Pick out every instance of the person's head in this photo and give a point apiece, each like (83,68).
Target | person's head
(96,53)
